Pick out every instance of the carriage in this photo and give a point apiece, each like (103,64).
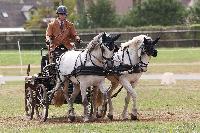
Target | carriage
(89,68)
(38,88)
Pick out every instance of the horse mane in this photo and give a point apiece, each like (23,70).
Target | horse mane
(135,42)
(93,43)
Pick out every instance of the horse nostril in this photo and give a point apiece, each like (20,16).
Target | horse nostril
(155,52)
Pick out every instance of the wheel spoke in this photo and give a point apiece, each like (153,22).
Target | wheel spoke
(29,105)
(42,104)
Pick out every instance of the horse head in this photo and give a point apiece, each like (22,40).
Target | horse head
(146,50)
(108,46)
(105,44)
(148,47)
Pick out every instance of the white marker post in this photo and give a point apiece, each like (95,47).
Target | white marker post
(20,56)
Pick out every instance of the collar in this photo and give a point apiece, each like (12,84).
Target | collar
(60,21)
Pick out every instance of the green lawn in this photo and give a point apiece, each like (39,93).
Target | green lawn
(177,55)
(161,109)
(176,60)
(165,55)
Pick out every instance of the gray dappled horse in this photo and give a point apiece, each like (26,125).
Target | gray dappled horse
(130,62)
(72,64)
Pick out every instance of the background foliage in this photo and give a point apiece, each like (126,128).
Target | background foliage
(39,14)
(156,12)
(102,14)
(194,13)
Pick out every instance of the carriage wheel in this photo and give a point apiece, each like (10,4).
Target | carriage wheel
(29,103)
(42,103)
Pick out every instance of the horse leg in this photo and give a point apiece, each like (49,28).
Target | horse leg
(83,89)
(134,108)
(125,110)
(71,113)
(111,109)
(127,85)
(97,102)
(103,90)
(94,102)
(65,90)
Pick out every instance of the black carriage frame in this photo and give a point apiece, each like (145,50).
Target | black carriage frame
(38,88)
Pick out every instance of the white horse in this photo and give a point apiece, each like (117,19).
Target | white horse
(129,62)
(85,68)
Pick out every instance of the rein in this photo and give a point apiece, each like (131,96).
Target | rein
(95,58)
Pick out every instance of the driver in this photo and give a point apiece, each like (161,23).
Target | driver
(60,32)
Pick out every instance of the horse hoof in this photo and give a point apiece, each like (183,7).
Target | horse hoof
(98,116)
(85,120)
(110,116)
(71,118)
(133,117)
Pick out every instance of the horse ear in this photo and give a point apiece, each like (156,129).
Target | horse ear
(156,41)
(116,37)
(145,41)
(104,37)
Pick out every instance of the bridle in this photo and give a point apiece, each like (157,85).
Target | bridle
(90,55)
(102,55)
(141,63)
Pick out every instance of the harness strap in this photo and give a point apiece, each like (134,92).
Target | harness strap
(122,58)
(115,95)
(95,58)
(129,57)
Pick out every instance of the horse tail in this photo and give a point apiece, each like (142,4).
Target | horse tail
(58,99)
(99,99)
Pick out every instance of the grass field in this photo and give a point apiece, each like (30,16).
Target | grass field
(169,55)
(176,60)
(164,109)
(161,109)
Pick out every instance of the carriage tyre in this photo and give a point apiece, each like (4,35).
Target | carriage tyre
(29,103)
(42,104)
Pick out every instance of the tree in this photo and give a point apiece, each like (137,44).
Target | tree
(157,12)
(194,13)
(101,14)
(42,12)
(36,20)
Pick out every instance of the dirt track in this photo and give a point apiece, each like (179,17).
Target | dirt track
(144,116)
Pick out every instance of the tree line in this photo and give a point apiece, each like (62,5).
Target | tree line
(101,14)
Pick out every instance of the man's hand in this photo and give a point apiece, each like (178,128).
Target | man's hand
(48,41)
(78,39)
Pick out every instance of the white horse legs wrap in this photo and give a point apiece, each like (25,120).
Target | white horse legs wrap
(130,92)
